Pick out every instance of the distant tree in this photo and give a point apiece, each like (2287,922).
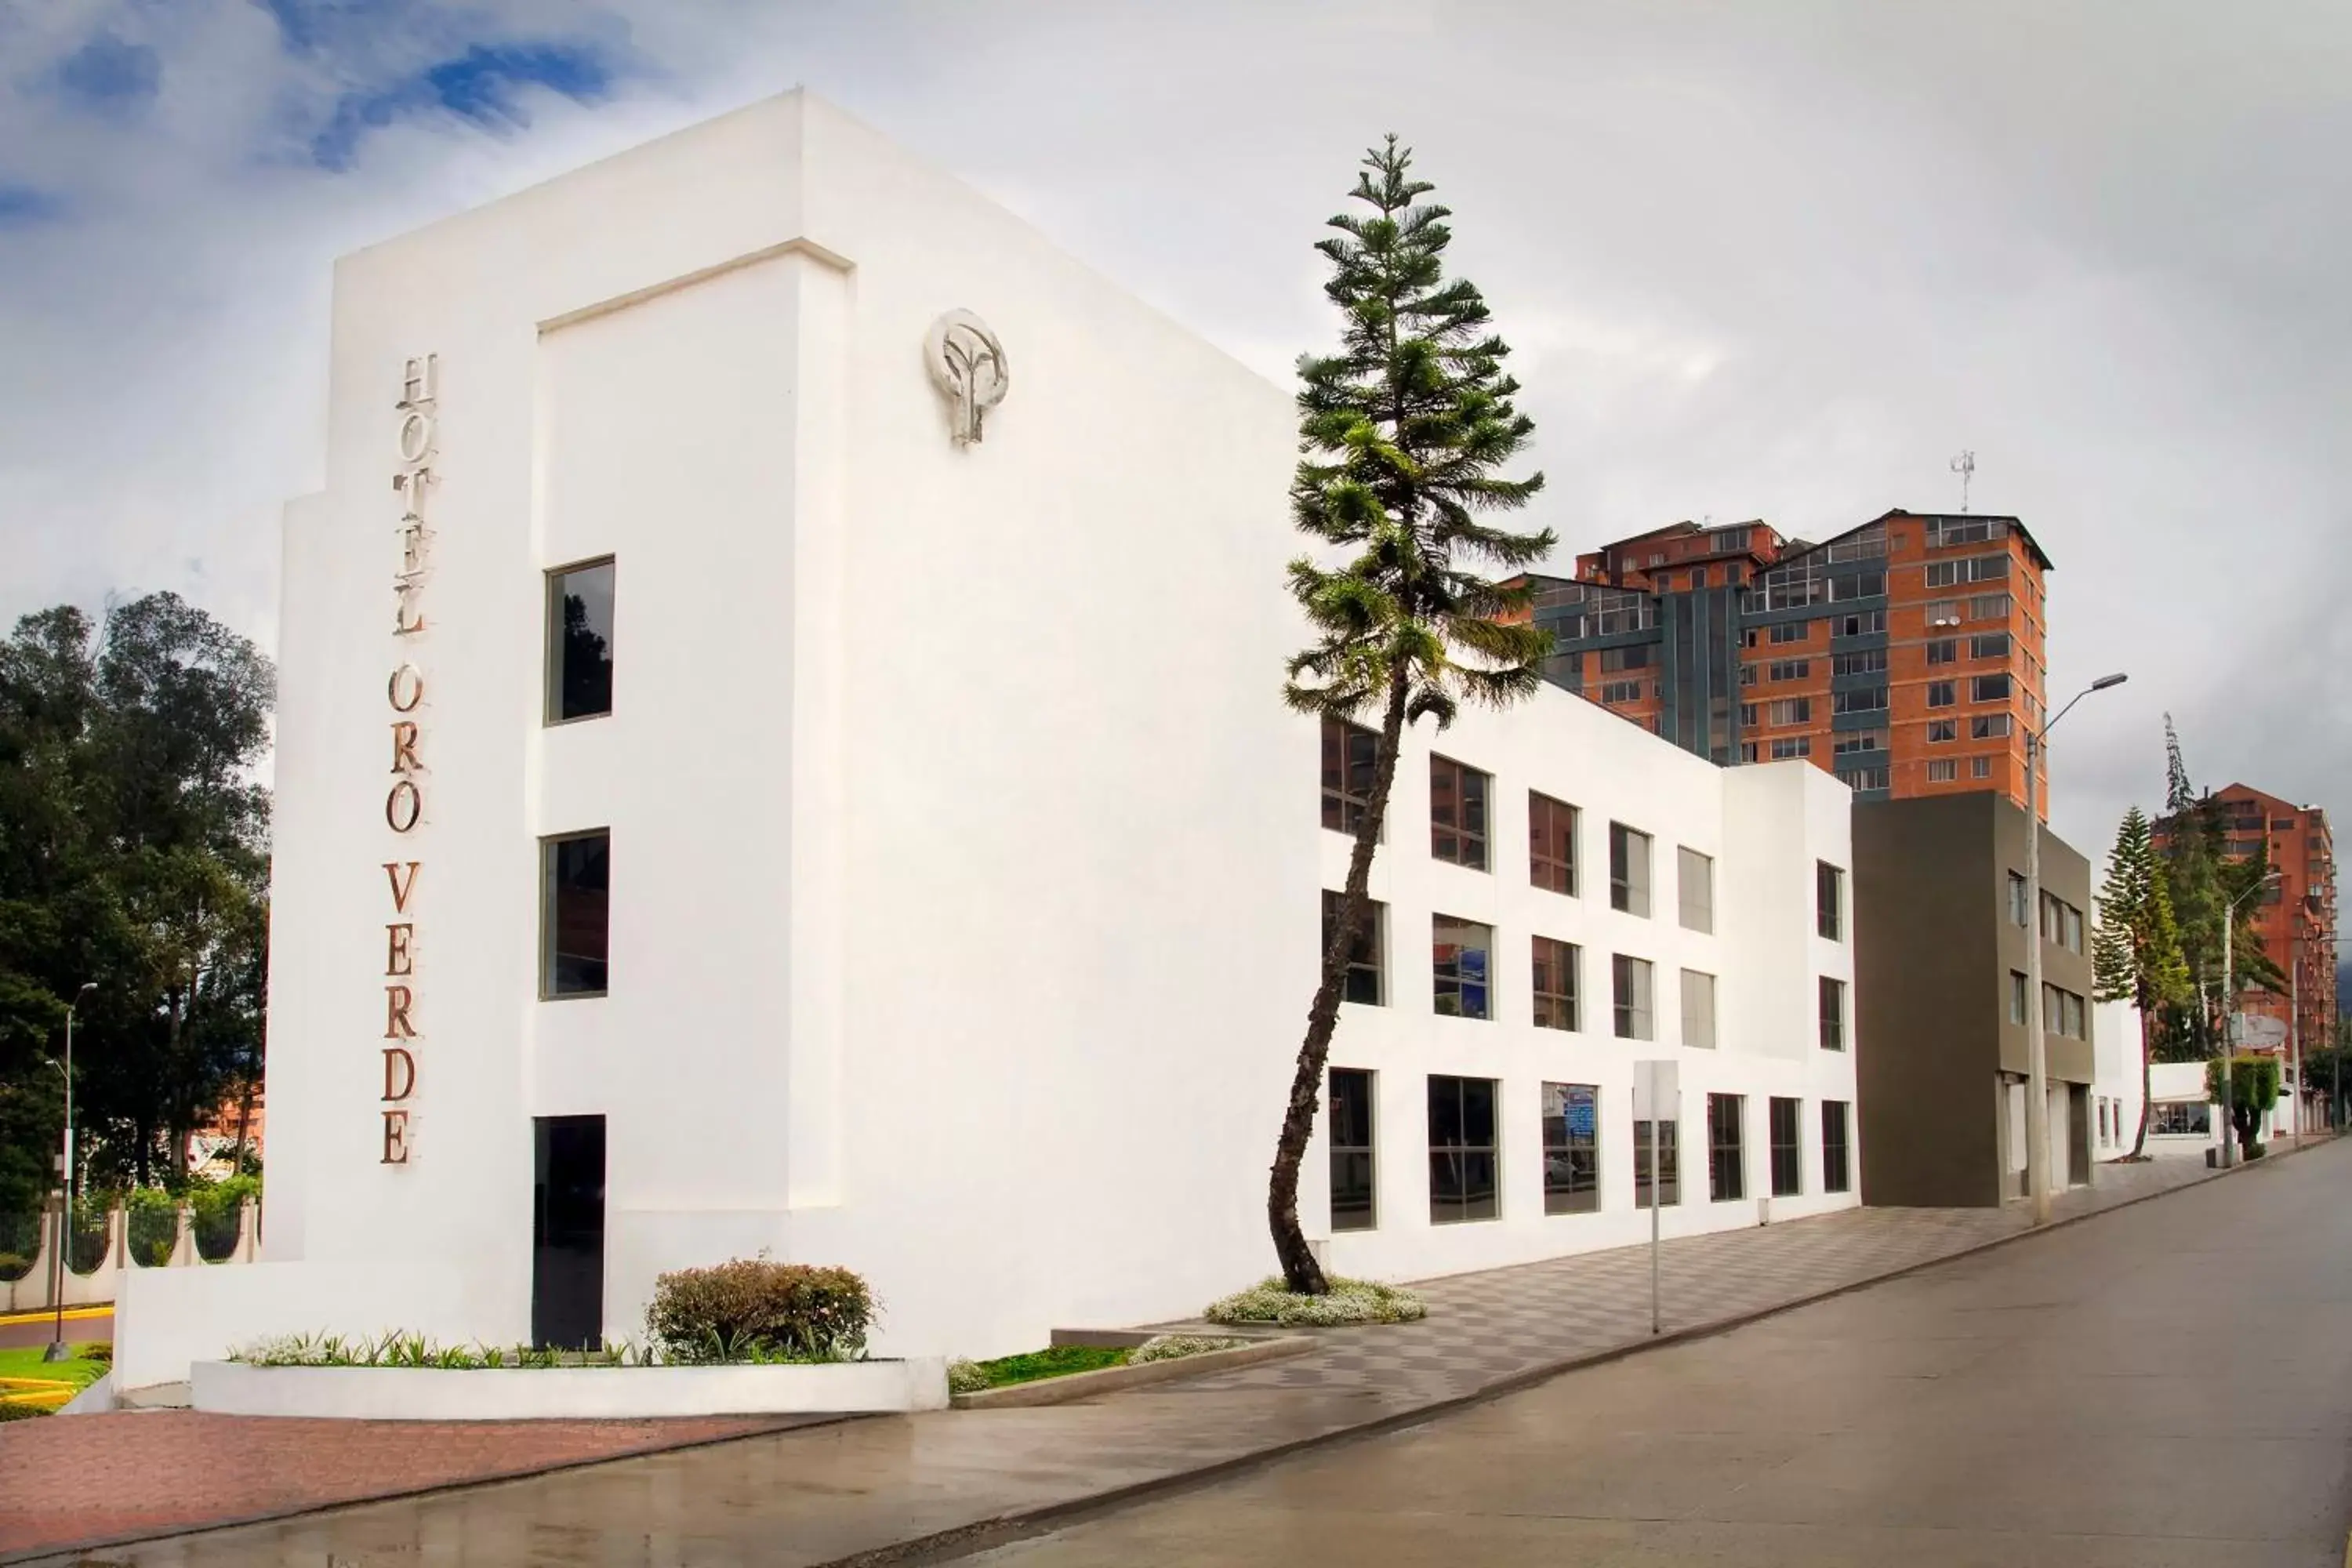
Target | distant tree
(2253,1089)
(1402,433)
(2204,884)
(2135,951)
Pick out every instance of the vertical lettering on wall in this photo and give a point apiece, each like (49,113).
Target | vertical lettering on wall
(415,439)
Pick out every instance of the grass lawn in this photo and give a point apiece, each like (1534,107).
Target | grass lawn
(26,1362)
(1032,1365)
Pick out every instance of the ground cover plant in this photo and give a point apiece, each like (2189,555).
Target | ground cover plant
(1348,1301)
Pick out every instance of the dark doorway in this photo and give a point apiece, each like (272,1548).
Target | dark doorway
(567,1231)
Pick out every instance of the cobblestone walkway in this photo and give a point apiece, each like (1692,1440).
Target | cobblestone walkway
(863,1486)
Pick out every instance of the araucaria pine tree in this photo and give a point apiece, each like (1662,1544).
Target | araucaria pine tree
(2135,951)
(1402,433)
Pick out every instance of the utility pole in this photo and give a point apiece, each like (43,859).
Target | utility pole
(2295,1041)
(57,1351)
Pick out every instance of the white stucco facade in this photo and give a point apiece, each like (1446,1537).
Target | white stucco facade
(964,864)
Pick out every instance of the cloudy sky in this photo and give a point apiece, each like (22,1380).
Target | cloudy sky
(1778,261)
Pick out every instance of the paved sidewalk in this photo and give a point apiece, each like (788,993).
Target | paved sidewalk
(869,1488)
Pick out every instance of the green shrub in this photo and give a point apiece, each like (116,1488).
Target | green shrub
(86,1235)
(9,1412)
(13,1266)
(967,1376)
(1030,1365)
(1351,1301)
(100,1350)
(153,1217)
(755,1309)
(218,1207)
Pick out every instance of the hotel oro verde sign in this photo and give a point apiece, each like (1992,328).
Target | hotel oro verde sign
(404,801)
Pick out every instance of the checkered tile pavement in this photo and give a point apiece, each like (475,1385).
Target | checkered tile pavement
(1485,1328)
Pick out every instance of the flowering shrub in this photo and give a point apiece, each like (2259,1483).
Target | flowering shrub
(752,1310)
(1350,1302)
(967,1376)
(1173,1347)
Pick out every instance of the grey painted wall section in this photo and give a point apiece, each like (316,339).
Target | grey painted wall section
(1933,952)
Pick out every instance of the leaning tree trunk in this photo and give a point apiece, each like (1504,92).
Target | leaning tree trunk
(2139,1138)
(1300,1272)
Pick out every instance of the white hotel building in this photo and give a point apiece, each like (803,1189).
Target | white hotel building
(906,861)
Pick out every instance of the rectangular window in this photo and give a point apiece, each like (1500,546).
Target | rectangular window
(579,641)
(1617,660)
(1834,1146)
(1621,691)
(1748,715)
(1977,569)
(1863,700)
(1865,778)
(1988,688)
(1628,869)
(1462,1149)
(2074,1029)
(1698,1009)
(1852,740)
(1571,1148)
(1793,710)
(1669,1184)
(575,913)
(1552,844)
(1747,672)
(1629,980)
(1940,731)
(1553,967)
(1457,813)
(1348,758)
(1792,746)
(1862,623)
(2016,998)
(1943,650)
(1749,752)
(1789,669)
(1695,889)
(2075,929)
(1980,767)
(1351,1150)
(1988,607)
(1791,631)
(1787,1157)
(1989,645)
(2017,901)
(1365,971)
(1943,612)
(1942,694)
(1869,661)
(1832,1014)
(1988,726)
(1829,901)
(1727,1161)
(1462,954)
(1944,770)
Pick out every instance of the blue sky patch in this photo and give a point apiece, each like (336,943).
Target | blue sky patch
(482,85)
(109,73)
(22,207)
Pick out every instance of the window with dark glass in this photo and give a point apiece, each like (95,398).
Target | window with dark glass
(575,913)
(1628,869)
(1670,1185)
(1834,1146)
(1461,1165)
(1829,901)
(1787,1157)
(1348,756)
(1461,955)
(1364,969)
(1832,1014)
(1552,844)
(1727,1161)
(579,641)
(1351,1150)
(1630,984)
(1553,967)
(1457,813)
(1571,1148)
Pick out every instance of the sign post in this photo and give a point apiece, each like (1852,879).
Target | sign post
(1657,1096)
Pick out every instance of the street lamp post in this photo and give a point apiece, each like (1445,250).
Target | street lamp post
(2037,1090)
(57,1351)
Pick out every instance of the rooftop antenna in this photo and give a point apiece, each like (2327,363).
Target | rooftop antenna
(1965,465)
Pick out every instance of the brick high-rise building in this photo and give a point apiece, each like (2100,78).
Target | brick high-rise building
(1906,655)
(2296,917)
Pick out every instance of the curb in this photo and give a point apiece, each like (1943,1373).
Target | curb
(1078,1385)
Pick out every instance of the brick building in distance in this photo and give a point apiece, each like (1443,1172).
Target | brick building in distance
(1906,655)
(2296,917)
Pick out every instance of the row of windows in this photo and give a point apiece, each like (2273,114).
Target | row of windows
(1981,727)
(1465,1150)
(1974,569)
(1981,688)
(2062,922)
(1977,607)
(1946,650)
(2062,1011)
(1946,770)
(1463,977)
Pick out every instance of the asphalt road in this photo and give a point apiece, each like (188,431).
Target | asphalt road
(2170,1383)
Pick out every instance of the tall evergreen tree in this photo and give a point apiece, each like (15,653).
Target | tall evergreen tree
(2205,885)
(2135,951)
(1402,433)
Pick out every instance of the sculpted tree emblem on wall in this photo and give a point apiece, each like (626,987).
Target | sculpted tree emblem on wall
(967,364)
